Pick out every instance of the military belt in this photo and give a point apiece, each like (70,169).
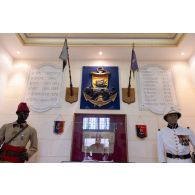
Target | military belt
(11,153)
(186,156)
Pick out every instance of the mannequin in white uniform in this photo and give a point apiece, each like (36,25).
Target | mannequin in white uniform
(174,141)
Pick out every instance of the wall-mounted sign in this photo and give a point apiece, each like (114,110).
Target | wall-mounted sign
(100,88)
(44,88)
(156,89)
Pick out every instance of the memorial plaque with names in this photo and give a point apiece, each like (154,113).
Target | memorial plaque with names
(44,86)
(156,89)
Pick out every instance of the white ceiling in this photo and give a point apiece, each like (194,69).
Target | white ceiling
(12,44)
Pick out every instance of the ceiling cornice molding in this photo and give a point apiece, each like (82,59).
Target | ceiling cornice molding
(102,39)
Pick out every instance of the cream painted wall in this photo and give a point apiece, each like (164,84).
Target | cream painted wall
(5,66)
(57,148)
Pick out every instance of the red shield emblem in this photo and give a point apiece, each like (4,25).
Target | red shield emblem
(59,127)
(141,131)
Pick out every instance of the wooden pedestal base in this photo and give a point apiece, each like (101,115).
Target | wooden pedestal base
(74,97)
(129,99)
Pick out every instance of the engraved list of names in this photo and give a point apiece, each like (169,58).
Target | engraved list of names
(156,89)
(44,88)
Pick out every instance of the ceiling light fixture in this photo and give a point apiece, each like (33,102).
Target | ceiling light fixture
(182,53)
(18,52)
(100,53)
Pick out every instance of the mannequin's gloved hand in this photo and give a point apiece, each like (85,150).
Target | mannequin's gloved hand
(24,156)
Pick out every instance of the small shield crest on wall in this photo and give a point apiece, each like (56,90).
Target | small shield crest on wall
(59,127)
(141,131)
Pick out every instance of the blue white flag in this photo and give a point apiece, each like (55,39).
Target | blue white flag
(134,64)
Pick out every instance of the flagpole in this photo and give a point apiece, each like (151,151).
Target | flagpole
(129,93)
(129,86)
(71,91)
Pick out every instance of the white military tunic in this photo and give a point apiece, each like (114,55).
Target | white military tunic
(168,142)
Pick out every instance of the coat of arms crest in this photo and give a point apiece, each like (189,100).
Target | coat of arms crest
(99,91)
(99,94)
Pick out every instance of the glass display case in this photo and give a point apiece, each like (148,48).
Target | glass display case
(99,138)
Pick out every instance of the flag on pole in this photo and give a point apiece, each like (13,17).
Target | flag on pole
(64,54)
(134,64)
